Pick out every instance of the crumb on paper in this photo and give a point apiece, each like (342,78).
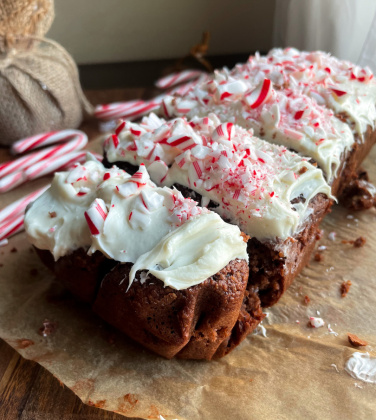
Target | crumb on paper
(357,385)
(315,322)
(47,328)
(321,248)
(318,257)
(297,321)
(335,367)
(306,300)
(356,341)
(345,287)
(357,243)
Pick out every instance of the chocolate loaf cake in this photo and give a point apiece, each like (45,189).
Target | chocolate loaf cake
(275,196)
(169,274)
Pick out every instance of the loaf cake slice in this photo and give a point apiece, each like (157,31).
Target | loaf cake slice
(171,275)
(275,196)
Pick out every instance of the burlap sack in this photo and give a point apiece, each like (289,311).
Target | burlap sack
(21,18)
(39,84)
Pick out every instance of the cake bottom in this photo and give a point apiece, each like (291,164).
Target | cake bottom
(205,321)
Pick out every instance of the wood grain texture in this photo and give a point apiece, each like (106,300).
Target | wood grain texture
(27,390)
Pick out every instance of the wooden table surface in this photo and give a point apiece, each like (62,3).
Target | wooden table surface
(27,390)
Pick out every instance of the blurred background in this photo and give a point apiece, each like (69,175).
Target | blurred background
(100,33)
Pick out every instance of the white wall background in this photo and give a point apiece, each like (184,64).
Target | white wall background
(97,31)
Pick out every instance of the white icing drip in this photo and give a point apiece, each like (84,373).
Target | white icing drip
(253,181)
(362,366)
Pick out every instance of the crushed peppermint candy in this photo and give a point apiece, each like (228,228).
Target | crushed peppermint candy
(316,322)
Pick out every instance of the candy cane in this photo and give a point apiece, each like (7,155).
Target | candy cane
(42,168)
(26,161)
(12,227)
(19,206)
(12,181)
(45,139)
(177,78)
(110,111)
(51,165)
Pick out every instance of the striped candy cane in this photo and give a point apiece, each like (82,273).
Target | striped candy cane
(110,111)
(26,161)
(42,168)
(19,206)
(177,78)
(41,140)
(11,227)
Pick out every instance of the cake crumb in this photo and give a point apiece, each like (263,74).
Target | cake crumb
(356,341)
(318,257)
(345,287)
(359,242)
(245,237)
(306,299)
(52,214)
(13,250)
(47,328)
(319,234)
(303,170)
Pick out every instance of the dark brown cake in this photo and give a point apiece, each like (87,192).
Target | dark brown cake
(202,322)
(79,273)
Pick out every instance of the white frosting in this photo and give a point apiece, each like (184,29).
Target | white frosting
(55,221)
(253,181)
(284,117)
(340,85)
(362,366)
(193,252)
(129,219)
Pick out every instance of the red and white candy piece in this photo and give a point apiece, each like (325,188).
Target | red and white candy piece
(316,322)
(234,88)
(223,133)
(96,215)
(26,161)
(158,171)
(45,139)
(19,206)
(177,78)
(260,95)
(337,91)
(151,200)
(141,177)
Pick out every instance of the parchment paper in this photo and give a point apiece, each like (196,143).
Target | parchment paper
(288,374)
